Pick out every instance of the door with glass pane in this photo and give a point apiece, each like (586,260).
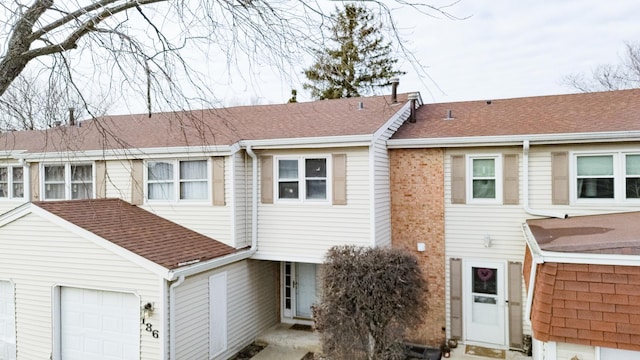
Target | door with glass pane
(485,303)
(299,290)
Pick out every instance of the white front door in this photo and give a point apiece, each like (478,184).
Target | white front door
(305,289)
(485,303)
(99,324)
(299,290)
(7,322)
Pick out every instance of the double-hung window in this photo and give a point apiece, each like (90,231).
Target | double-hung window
(68,181)
(613,176)
(177,180)
(486,178)
(302,178)
(11,182)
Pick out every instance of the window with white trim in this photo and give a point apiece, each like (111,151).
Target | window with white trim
(485,180)
(67,181)
(11,182)
(302,178)
(612,176)
(172,180)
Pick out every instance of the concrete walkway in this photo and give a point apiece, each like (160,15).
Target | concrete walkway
(275,352)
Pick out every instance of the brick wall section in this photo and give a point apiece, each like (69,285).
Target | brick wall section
(417,215)
(597,305)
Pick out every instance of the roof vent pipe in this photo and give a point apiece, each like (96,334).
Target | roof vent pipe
(72,118)
(413,97)
(394,89)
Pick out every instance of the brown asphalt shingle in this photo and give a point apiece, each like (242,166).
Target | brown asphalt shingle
(137,230)
(226,126)
(557,114)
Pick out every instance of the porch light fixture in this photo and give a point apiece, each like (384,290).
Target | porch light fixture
(147,310)
(487,241)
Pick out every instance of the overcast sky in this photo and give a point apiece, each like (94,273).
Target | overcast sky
(503,49)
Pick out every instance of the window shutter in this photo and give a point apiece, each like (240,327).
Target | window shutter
(34,177)
(217,180)
(455,282)
(266,179)
(458,185)
(101,179)
(510,186)
(339,179)
(515,305)
(560,178)
(137,182)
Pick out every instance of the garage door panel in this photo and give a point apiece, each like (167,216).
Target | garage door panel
(7,322)
(99,324)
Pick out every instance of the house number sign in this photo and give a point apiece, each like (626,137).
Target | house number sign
(149,328)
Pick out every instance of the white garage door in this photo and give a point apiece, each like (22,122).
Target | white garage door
(7,322)
(617,354)
(100,325)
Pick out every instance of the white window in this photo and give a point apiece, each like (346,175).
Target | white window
(11,182)
(68,181)
(606,177)
(181,180)
(302,178)
(485,180)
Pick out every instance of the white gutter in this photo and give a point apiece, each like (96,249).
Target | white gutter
(321,141)
(172,317)
(505,140)
(525,171)
(137,153)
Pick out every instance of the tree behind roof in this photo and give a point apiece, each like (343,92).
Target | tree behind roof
(360,61)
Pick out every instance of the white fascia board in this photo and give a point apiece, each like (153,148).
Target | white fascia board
(15,214)
(396,118)
(106,244)
(576,257)
(119,154)
(311,142)
(507,140)
(11,153)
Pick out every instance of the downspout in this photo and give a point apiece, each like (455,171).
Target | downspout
(525,170)
(180,275)
(172,317)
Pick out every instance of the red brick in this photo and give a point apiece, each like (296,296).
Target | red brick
(615,299)
(590,334)
(566,275)
(590,315)
(615,278)
(625,346)
(580,305)
(575,267)
(559,339)
(576,286)
(633,279)
(549,268)
(602,307)
(616,337)
(591,297)
(634,300)
(604,344)
(558,303)
(577,323)
(628,309)
(628,289)
(602,288)
(544,288)
(579,341)
(565,295)
(558,285)
(634,319)
(603,326)
(628,329)
(543,317)
(589,276)
(566,313)
(564,332)
(558,322)
(547,278)
(601,268)
(627,270)
(616,317)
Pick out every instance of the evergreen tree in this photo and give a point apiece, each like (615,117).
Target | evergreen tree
(360,61)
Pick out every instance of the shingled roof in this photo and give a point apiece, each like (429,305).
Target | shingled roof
(557,114)
(139,231)
(213,127)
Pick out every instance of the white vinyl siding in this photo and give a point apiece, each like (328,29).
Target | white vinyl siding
(39,255)
(381,195)
(240,195)
(7,322)
(118,179)
(304,232)
(252,298)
